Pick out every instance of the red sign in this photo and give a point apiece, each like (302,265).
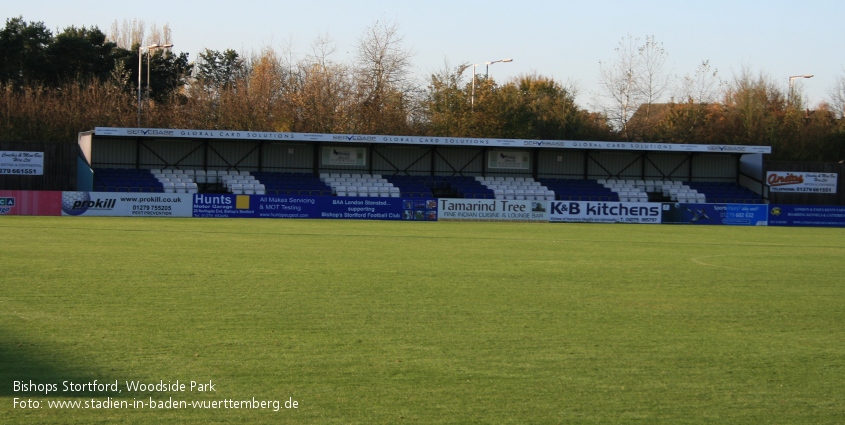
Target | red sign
(30,202)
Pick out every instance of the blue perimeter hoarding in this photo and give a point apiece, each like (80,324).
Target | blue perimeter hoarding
(807,215)
(350,208)
(723,214)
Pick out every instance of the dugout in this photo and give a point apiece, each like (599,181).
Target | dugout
(149,148)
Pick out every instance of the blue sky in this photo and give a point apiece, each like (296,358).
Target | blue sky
(561,39)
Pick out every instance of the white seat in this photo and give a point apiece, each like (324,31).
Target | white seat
(192,188)
(169,187)
(237,189)
(249,189)
(211,176)
(180,187)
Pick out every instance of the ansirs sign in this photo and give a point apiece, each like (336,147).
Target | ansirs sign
(605,212)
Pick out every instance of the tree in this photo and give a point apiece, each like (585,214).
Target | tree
(381,80)
(635,79)
(753,106)
(837,97)
(127,34)
(323,99)
(217,70)
(703,86)
(23,52)
(169,72)
(446,103)
(80,54)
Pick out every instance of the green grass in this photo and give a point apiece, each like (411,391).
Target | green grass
(400,322)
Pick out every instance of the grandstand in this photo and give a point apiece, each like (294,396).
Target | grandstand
(291,164)
(376,185)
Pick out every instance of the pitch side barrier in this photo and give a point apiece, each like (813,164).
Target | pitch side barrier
(329,207)
(112,204)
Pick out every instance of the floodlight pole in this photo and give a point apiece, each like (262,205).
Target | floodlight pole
(791,83)
(486,75)
(140,52)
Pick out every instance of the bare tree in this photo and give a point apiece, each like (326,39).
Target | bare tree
(651,80)
(127,34)
(704,86)
(635,78)
(837,97)
(158,35)
(382,81)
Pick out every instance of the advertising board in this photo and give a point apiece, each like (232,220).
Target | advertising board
(492,210)
(508,160)
(801,182)
(22,163)
(344,156)
(113,204)
(26,202)
(266,206)
(726,214)
(807,215)
(604,212)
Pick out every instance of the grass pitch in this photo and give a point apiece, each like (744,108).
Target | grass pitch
(409,322)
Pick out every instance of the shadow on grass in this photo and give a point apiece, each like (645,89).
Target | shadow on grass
(25,363)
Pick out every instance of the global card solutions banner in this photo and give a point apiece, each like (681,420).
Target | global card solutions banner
(113,204)
(27,202)
(492,210)
(354,208)
(605,212)
(807,215)
(723,214)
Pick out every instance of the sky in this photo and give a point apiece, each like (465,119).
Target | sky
(561,39)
